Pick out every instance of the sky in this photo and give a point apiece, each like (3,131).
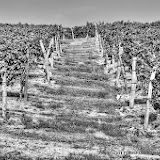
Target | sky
(77,12)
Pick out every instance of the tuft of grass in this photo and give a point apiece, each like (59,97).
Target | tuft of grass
(72,156)
(15,155)
(149,148)
(87,76)
(52,105)
(75,92)
(78,68)
(112,130)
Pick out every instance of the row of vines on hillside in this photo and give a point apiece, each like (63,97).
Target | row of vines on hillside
(136,49)
(22,48)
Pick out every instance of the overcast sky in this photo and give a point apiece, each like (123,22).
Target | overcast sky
(77,12)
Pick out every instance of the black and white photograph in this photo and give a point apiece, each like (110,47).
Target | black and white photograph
(79,79)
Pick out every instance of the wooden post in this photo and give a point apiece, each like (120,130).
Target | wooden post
(51,59)
(4,94)
(46,62)
(97,38)
(26,78)
(72,34)
(50,46)
(122,67)
(55,43)
(106,69)
(96,32)
(106,63)
(63,34)
(117,83)
(23,87)
(42,47)
(150,87)
(113,60)
(101,46)
(22,83)
(64,37)
(59,44)
(134,82)
(87,35)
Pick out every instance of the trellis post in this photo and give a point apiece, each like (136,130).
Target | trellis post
(26,78)
(46,60)
(118,74)
(113,63)
(72,34)
(133,83)
(122,67)
(150,88)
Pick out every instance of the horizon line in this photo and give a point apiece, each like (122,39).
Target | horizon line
(63,25)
